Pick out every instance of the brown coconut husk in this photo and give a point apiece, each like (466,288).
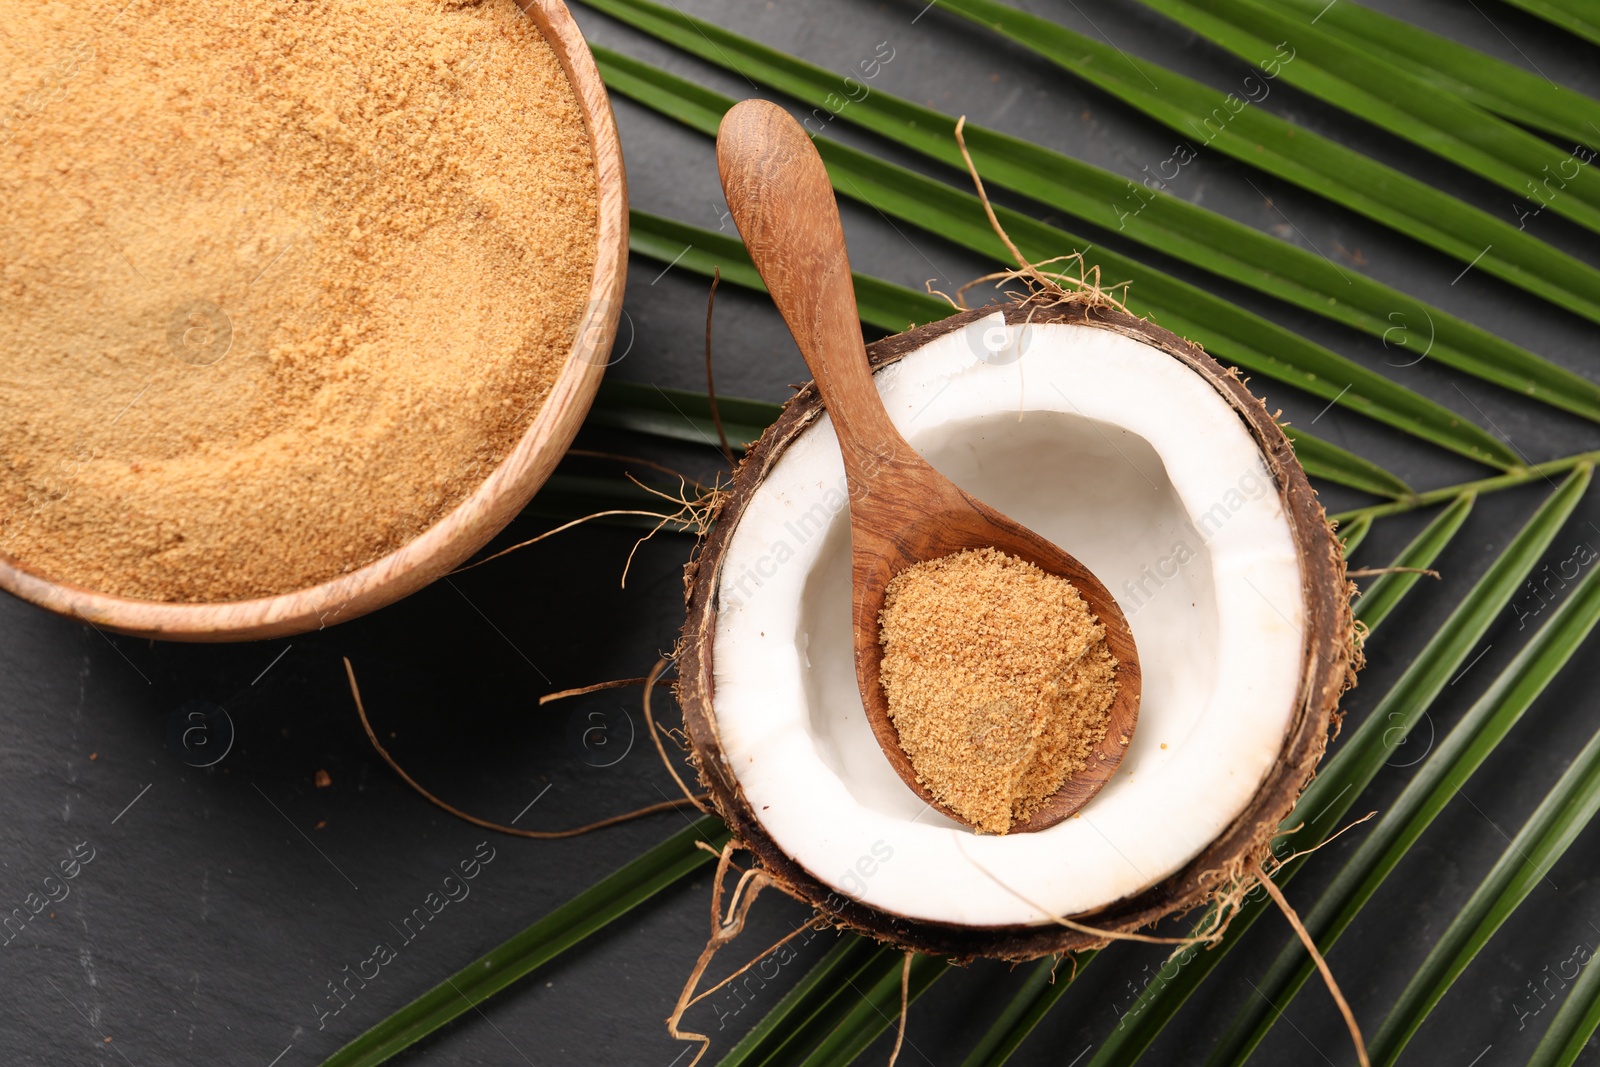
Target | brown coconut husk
(1226,867)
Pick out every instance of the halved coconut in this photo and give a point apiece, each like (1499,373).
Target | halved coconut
(1133,450)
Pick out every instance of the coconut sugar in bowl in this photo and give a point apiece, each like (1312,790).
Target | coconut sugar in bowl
(302,303)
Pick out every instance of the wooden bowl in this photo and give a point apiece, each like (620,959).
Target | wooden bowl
(476,519)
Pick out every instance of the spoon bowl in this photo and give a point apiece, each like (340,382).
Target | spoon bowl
(902,511)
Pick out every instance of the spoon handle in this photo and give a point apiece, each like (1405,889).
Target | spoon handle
(780,197)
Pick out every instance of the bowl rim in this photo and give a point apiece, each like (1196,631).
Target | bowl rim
(484,512)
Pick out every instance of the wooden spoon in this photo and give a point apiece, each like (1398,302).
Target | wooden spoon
(902,511)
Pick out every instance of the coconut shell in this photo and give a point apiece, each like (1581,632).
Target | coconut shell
(1330,657)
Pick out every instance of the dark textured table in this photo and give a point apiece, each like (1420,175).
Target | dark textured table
(212,906)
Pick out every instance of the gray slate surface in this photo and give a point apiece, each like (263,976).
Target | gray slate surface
(220,901)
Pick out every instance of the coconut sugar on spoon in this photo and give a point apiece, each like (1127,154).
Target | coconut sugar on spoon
(998,679)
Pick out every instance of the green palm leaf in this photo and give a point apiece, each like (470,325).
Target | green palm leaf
(880,303)
(810,1003)
(1231,333)
(680,414)
(850,997)
(1387,590)
(1573,1025)
(876,1009)
(1295,154)
(1345,774)
(788,1020)
(1574,16)
(1028,1006)
(1153,218)
(1392,98)
(1352,533)
(1435,784)
(1328,461)
(686,416)
(1471,75)
(1543,839)
(589,911)
(1539,472)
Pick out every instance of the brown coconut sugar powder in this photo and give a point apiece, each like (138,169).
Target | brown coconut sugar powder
(280,282)
(998,681)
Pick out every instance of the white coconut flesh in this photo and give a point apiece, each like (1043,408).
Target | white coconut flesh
(1128,460)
